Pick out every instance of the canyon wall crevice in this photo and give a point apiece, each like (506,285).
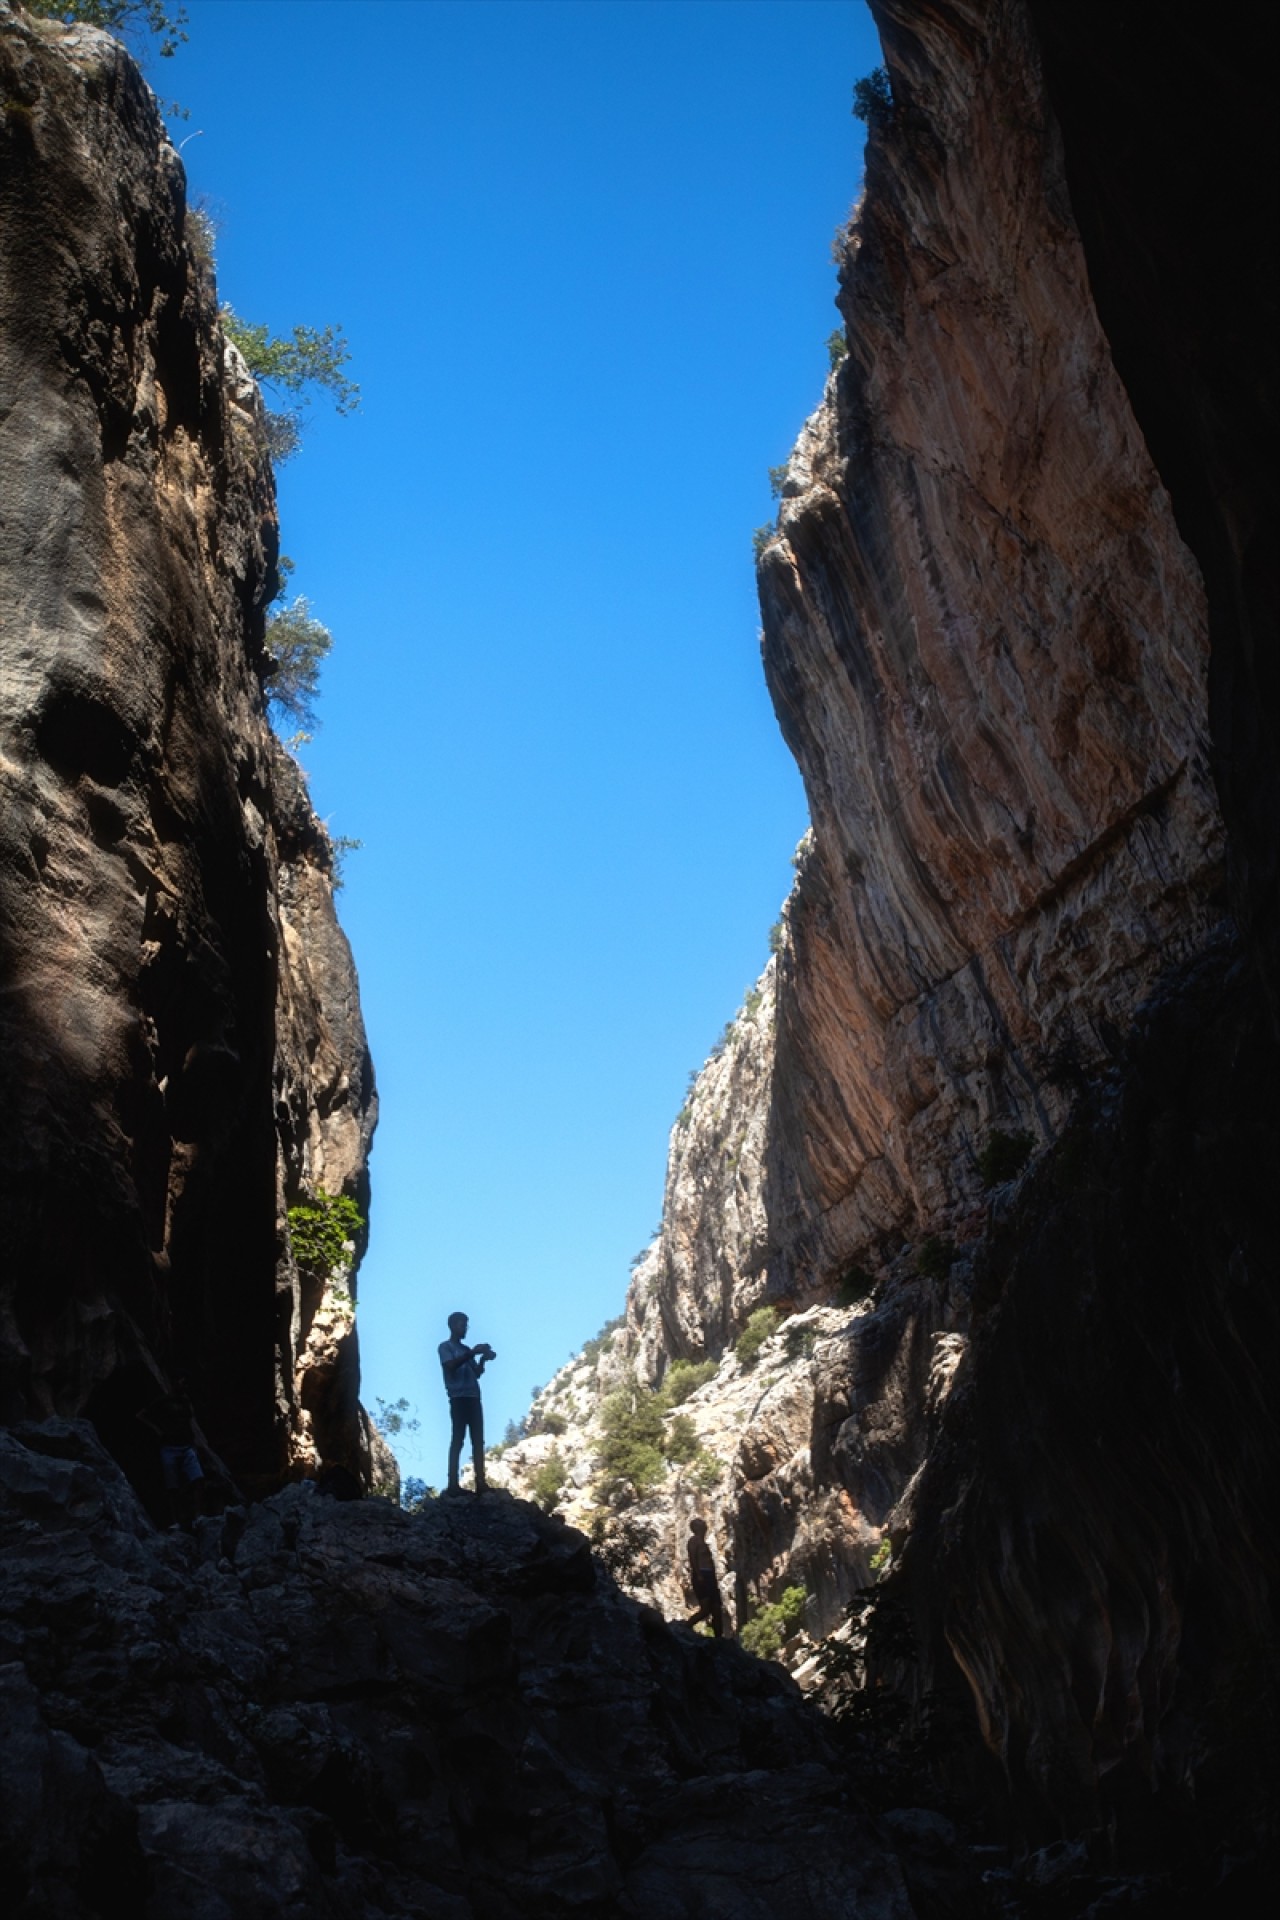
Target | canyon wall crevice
(1192,333)
(184,1056)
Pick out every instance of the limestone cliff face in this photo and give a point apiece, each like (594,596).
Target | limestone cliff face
(800,1453)
(1034,749)
(183,1050)
(988,649)
(706,1268)
(1088,1543)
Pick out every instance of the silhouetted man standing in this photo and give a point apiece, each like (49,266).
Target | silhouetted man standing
(702,1578)
(462,1366)
(170,1419)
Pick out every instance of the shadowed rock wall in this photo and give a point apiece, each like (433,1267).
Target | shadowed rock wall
(1090,1542)
(1167,127)
(345,1710)
(183,1054)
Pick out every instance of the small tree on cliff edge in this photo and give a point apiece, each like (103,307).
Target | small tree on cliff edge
(119,17)
(873,98)
(298,645)
(309,358)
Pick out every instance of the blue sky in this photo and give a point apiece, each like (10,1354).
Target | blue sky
(582,255)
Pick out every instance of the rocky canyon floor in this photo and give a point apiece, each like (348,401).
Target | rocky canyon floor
(318,1708)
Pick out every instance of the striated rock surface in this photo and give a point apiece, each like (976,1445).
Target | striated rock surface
(706,1268)
(988,649)
(1035,749)
(1090,1545)
(183,1051)
(347,1710)
(1196,351)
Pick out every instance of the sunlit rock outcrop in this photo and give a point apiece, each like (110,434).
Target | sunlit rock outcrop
(706,1268)
(183,1051)
(799,1450)
(988,649)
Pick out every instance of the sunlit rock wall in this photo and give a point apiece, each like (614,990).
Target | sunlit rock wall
(182,1044)
(988,649)
(698,1280)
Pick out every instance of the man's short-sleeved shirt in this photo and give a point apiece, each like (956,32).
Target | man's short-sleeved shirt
(463,1382)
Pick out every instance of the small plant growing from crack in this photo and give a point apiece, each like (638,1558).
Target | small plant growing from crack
(1004,1156)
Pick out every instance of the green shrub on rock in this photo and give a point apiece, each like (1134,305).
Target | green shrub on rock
(319,1234)
(642,1438)
(873,98)
(753,1336)
(308,359)
(684,1377)
(297,645)
(1004,1156)
(631,1452)
(765,1633)
(936,1257)
(681,1441)
(120,17)
(548,1481)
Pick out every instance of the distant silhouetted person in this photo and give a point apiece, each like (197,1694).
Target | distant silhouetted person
(170,1419)
(462,1366)
(702,1578)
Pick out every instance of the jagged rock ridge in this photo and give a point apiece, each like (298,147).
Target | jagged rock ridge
(184,1053)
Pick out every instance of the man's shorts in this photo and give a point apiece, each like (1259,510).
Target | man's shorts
(178,1464)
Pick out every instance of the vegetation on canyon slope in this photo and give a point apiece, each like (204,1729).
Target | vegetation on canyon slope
(873,99)
(297,646)
(760,1325)
(684,1377)
(642,1438)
